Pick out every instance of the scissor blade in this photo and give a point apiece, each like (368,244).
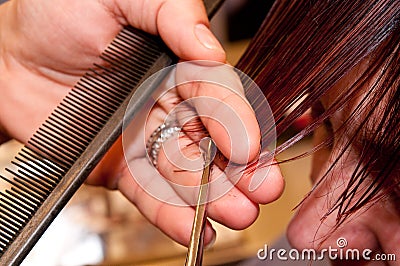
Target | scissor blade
(195,251)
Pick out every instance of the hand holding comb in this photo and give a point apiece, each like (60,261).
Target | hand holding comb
(68,145)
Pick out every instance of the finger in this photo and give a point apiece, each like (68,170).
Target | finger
(153,197)
(181,163)
(148,189)
(174,221)
(262,184)
(182,24)
(216,93)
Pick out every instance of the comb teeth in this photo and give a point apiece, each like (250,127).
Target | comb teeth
(56,146)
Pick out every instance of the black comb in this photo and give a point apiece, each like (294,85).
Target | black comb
(57,159)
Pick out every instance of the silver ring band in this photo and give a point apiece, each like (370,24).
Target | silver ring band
(160,135)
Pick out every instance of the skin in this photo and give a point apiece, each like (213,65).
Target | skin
(376,228)
(45,46)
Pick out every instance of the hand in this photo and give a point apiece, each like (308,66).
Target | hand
(46,46)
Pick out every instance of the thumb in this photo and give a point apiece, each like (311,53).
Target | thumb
(182,24)
(184,27)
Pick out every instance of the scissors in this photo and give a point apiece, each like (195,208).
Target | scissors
(194,256)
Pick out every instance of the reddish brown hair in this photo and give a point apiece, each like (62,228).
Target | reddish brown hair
(303,49)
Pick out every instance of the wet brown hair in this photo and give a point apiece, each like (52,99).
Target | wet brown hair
(303,48)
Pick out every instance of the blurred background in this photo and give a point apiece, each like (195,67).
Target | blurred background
(99,227)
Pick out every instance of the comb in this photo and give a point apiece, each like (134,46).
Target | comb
(47,171)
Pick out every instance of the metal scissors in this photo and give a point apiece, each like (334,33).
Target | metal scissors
(194,255)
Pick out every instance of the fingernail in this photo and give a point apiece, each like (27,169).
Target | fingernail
(212,242)
(206,38)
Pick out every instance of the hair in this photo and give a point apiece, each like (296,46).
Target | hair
(302,49)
